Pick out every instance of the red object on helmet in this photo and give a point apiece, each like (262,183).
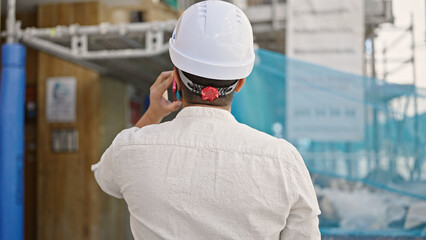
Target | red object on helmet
(209,93)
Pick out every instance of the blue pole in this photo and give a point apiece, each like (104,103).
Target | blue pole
(12,117)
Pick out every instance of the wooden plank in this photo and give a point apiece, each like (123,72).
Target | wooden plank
(64,180)
(29,20)
(70,203)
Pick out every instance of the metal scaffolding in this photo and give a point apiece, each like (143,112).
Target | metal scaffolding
(127,51)
(410,98)
(123,51)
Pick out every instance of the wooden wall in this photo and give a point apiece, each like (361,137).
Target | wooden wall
(30,224)
(70,203)
(151,12)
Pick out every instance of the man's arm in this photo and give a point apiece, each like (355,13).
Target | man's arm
(302,222)
(105,175)
(105,170)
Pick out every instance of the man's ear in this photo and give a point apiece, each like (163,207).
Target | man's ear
(240,84)
(177,79)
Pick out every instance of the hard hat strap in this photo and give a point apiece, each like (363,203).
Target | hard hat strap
(196,88)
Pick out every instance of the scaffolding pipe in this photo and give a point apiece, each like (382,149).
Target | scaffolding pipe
(11,21)
(417,159)
(67,53)
(395,42)
(102,29)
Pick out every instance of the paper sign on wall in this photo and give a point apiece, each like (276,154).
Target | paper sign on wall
(324,102)
(61,99)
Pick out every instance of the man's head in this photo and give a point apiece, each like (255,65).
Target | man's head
(191,96)
(212,49)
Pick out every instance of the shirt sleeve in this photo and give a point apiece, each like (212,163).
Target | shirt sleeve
(302,222)
(105,173)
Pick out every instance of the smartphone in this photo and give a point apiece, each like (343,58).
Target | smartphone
(174,89)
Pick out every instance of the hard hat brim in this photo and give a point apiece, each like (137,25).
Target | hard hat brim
(208,69)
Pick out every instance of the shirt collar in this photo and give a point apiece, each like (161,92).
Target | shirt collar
(207,112)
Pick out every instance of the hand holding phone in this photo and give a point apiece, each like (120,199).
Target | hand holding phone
(159,105)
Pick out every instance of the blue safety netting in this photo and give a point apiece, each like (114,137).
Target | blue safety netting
(360,137)
(172,3)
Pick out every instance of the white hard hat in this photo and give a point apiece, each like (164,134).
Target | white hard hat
(213,39)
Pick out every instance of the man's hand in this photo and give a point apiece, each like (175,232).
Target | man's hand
(159,106)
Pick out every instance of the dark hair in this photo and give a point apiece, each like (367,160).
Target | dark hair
(195,98)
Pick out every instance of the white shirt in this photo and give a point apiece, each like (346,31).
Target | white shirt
(206,176)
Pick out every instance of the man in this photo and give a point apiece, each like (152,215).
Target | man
(204,175)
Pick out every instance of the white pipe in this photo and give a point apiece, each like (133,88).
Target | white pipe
(61,52)
(125,53)
(48,47)
(11,20)
(66,53)
(61,31)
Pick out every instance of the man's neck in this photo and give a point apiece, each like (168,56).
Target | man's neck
(185,104)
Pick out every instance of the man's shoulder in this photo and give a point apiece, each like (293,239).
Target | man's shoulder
(133,135)
(265,142)
(125,137)
(232,135)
